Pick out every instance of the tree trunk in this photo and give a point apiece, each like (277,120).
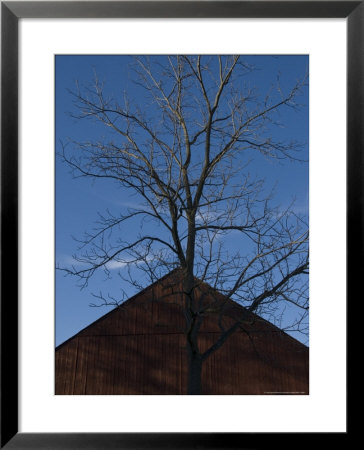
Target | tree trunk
(193,325)
(194,374)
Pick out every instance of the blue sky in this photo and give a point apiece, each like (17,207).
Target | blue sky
(79,200)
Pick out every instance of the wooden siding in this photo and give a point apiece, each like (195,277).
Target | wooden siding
(139,348)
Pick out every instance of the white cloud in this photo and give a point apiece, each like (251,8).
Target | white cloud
(114,265)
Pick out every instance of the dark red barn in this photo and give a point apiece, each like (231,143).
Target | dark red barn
(139,348)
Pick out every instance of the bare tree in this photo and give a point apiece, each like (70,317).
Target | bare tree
(185,153)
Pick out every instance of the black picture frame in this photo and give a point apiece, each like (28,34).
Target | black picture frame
(11,12)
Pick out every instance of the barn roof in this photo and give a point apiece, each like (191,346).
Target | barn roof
(139,347)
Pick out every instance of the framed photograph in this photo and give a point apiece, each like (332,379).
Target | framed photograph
(195,110)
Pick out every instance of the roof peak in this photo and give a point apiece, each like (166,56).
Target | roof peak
(230,305)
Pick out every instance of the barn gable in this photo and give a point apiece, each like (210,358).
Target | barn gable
(139,348)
